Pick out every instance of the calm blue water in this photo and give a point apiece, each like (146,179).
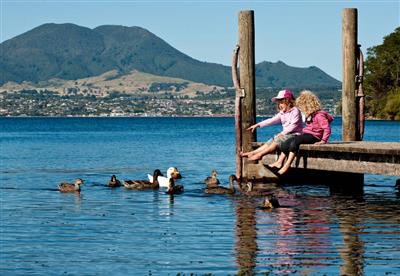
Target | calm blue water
(104,231)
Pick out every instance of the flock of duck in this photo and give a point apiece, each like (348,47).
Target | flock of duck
(158,180)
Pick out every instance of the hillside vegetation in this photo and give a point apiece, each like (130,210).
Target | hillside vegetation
(382,78)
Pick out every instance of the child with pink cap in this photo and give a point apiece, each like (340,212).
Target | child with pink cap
(290,118)
(317,130)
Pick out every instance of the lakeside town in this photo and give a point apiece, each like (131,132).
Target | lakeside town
(50,104)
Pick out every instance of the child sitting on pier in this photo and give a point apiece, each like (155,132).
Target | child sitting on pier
(290,118)
(317,130)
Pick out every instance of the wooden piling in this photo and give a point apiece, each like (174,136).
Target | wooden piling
(247,81)
(349,59)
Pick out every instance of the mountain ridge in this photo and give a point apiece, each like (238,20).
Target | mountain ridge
(69,51)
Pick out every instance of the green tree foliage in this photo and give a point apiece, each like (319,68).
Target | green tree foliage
(382,78)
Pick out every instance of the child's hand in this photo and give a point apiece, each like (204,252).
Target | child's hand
(320,142)
(252,128)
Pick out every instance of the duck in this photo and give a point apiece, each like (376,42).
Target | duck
(163,181)
(270,202)
(143,184)
(71,188)
(172,188)
(212,181)
(114,182)
(222,190)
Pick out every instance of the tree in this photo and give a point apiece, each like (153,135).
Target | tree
(382,78)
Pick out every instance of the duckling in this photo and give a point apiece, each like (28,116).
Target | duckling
(114,182)
(70,188)
(172,188)
(270,202)
(222,190)
(163,181)
(143,184)
(212,181)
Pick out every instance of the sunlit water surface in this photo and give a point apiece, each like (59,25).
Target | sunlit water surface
(104,231)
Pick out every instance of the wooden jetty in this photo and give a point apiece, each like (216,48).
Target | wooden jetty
(348,159)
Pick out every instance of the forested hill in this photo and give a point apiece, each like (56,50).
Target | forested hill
(69,51)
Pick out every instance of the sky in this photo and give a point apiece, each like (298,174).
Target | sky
(299,33)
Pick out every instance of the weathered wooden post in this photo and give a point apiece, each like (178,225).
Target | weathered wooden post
(349,103)
(349,59)
(247,81)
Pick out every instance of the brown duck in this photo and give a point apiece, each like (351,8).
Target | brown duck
(71,188)
(212,181)
(114,182)
(143,184)
(174,189)
(270,202)
(222,190)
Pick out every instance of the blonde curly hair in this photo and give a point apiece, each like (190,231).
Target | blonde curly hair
(308,102)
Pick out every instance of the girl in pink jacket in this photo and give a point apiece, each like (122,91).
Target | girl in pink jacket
(317,130)
(290,118)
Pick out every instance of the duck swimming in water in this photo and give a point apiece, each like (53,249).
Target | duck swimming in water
(143,184)
(212,181)
(114,182)
(71,188)
(163,181)
(222,190)
(174,189)
(270,202)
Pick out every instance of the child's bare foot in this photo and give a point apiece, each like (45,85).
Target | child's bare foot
(255,157)
(275,165)
(283,170)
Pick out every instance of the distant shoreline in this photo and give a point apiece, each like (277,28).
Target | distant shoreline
(177,116)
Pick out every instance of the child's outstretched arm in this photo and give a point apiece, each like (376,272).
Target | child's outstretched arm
(253,127)
(271,121)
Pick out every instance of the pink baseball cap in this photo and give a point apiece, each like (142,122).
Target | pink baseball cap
(283,94)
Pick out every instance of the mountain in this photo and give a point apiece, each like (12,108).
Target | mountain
(70,52)
(279,74)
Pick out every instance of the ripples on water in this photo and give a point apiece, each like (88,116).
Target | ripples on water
(120,232)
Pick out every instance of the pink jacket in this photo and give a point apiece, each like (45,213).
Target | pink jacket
(319,125)
(291,121)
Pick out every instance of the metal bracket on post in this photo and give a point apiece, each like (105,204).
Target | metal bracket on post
(240,93)
(359,93)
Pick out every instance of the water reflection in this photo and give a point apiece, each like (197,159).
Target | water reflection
(362,222)
(352,252)
(165,204)
(246,236)
(311,233)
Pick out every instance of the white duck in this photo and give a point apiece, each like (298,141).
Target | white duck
(163,181)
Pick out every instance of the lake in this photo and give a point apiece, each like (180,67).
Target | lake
(104,231)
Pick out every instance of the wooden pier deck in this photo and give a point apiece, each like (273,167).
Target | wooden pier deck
(360,157)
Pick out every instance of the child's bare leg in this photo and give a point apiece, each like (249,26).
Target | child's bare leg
(246,154)
(279,162)
(287,164)
(267,149)
(256,151)
(249,153)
